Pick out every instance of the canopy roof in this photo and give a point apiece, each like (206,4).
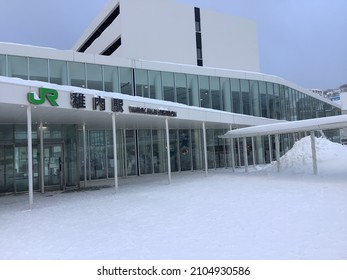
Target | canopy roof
(334,122)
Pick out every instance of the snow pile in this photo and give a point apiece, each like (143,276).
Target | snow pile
(331,157)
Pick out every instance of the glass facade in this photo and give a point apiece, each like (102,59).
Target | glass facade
(143,151)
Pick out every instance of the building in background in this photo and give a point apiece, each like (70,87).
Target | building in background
(169,31)
(149,88)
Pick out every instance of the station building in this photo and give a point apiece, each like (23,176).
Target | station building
(149,88)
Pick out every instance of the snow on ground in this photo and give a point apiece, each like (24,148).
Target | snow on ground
(260,215)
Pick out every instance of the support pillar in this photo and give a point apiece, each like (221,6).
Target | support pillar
(314,153)
(115,162)
(30,158)
(277,146)
(42,167)
(85,155)
(245,157)
(270,148)
(205,147)
(168,150)
(253,152)
(232,152)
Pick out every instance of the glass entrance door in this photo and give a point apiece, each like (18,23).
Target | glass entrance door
(53,155)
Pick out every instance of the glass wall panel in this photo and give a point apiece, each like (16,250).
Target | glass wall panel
(204,87)
(287,103)
(109,148)
(185,150)
(38,69)
(77,74)
(159,151)
(18,67)
(94,77)
(155,90)
(219,149)
(58,72)
(264,105)
(193,90)
(197,149)
(271,100)
(126,78)
(226,93)
(142,85)
(246,102)
(6,134)
(181,88)
(53,132)
(3,65)
(145,151)
(228,150)
(174,150)
(277,107)
(21,135)
(97,150)
(169,86)
(7,174)
(21,168)
(255,99)
(283,112)
(70,139)
(131,159)
(210,148)
(215,93)
(111,79)
(236,96)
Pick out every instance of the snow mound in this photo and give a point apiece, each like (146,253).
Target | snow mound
(330,156)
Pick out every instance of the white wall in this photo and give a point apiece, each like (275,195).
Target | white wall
(229,42)
(158,30)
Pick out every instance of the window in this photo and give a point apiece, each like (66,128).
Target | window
(18,67)
(126,77)
(111,79)
(169,87)
(155,85)
(38,69)
(181,88)
(198,36)
(77,74)
(246,103)
(2,65)
(113,47)
(204,91)
(58,72)
(94,77)
(236,98)
(215,93)
(141,77)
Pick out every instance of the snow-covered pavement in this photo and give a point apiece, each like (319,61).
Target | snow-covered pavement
(259,215)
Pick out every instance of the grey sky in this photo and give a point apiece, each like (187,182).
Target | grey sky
(302,41)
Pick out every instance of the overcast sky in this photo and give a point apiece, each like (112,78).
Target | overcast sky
(303,41)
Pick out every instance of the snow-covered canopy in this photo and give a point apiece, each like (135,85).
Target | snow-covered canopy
(334,122)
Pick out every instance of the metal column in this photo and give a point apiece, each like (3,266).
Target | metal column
(168,150)
(277,145)
(314,153)
(85,155)
(115,165)
(42,177)
(245,153)
(30,157)
(205,147)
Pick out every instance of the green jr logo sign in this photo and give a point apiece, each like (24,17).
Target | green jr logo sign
(44,94)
